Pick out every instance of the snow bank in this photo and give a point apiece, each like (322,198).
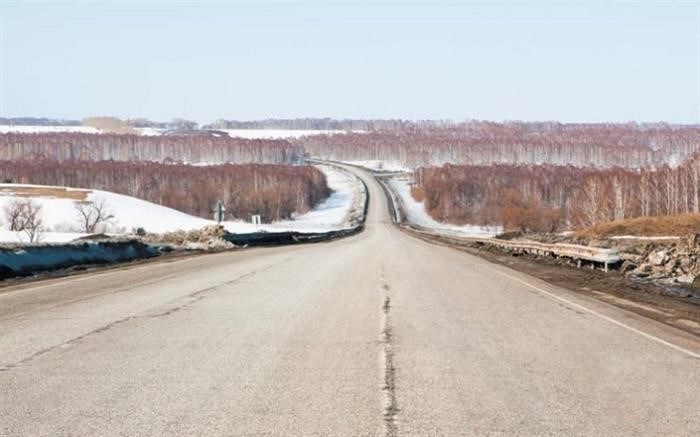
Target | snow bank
(417,215)
(339,211)
(32,259)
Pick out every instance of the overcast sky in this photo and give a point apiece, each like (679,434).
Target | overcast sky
(568,61)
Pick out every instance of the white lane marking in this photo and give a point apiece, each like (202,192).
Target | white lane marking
(599,315)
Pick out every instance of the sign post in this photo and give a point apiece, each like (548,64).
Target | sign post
(256,220)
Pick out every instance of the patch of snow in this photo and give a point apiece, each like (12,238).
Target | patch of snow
(47,129)
(60,218)
(417,215)
(277,133)
(640,237)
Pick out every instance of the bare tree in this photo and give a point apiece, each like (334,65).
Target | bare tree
(91,214)
(25,216)
(13,213)
(32,222)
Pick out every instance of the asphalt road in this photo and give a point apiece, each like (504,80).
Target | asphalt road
(379,334)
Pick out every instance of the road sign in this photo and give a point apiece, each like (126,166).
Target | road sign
(255,219)
(219,211)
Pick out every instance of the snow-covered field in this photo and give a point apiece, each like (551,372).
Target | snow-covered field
(61,222)
(48,129)
(379,165)
(146,131)
(150,131)
(276,133)
(417,215)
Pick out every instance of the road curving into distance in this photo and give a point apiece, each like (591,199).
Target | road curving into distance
(379,334)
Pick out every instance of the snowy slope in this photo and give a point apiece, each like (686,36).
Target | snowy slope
(417,215)
(61,222)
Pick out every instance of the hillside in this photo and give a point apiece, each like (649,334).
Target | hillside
(61,222)
(274,191)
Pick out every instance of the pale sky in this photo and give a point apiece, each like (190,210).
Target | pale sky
(524,60)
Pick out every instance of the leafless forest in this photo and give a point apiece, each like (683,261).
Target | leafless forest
(551,198)
(273,191)
(170,148)
(486,143)
(543,176)
(536,176)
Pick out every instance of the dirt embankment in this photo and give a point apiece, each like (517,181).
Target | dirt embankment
(669,225)
(670,262)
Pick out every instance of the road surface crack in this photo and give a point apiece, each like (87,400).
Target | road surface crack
(66,343)
(192,298)
(391,408)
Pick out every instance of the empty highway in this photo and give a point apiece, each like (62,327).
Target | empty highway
(379,334)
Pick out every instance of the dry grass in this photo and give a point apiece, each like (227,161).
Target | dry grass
(417,193)
(43,191)
(671,225)
(109,124)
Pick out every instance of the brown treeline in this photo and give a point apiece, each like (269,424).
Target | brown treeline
(551,198)
(273,191)
(192,149)
(486,143)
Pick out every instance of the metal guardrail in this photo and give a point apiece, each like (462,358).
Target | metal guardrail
(283,238)
(604,256)
(396,212)
(601,255)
